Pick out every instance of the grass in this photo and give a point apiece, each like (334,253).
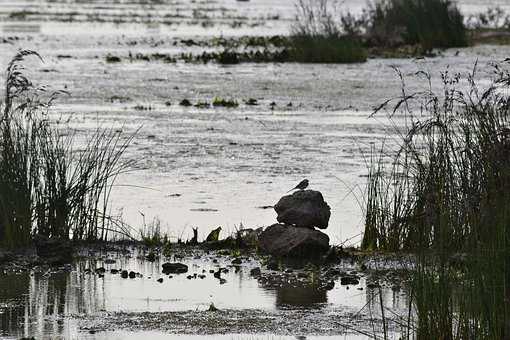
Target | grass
(317,36)
(444,195)
(47,186)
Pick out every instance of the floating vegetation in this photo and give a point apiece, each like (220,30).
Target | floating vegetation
(221,102)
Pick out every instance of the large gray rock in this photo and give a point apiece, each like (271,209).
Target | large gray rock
(304,208)
(286,241)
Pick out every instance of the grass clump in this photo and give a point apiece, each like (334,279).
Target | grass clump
(429,23)
(317,36)
(444,195)
(47,187)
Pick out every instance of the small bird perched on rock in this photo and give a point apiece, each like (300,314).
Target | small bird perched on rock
(301,186)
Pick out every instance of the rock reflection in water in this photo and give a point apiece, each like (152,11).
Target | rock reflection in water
(307,296)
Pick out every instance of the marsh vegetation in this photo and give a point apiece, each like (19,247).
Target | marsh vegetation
(47,186)
(444,196)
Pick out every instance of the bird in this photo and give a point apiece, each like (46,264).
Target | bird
(301,185)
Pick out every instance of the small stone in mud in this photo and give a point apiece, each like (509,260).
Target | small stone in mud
(168,103)
(255,272)
(222,281)
(189,277)
(132,275)
(349,280)
(124,274)
(252,101)
(160,280)
(329,285)
(114,271)
(185,102)
(237,261)
(211,271)
(174,268)
(201,276)
(100,270)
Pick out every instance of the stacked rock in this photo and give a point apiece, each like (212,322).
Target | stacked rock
(295,235)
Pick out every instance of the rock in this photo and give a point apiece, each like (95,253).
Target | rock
(53,250)
(185,102)
(349,280)
(124,274)
(255,272)
(237,261)
(132,275)
(213,235)
(285,241)
(100,270)
(273,264)
(304,208)
(114,271)
(174,268)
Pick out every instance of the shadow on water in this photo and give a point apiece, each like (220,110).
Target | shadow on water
(310,296)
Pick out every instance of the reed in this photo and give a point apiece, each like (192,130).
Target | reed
(47,185)
(445,196)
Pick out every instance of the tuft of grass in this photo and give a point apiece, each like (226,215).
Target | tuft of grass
(151,234)
(47,186)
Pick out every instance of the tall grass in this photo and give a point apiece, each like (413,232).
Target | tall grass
(429,23)
(318,36)
(445,195)
(47,185)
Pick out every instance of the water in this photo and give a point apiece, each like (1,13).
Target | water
(72,303)
(205,167)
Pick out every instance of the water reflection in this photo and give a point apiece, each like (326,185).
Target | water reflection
(21,28)
(38,303)
(309,296)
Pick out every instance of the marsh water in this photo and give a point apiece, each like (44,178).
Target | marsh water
(205,167)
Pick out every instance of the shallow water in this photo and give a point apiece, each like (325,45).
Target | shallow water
(45,303)
(205,167)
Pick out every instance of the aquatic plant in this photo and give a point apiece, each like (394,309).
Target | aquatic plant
(444,195)
(222,102)
(47,186)
(151,234)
